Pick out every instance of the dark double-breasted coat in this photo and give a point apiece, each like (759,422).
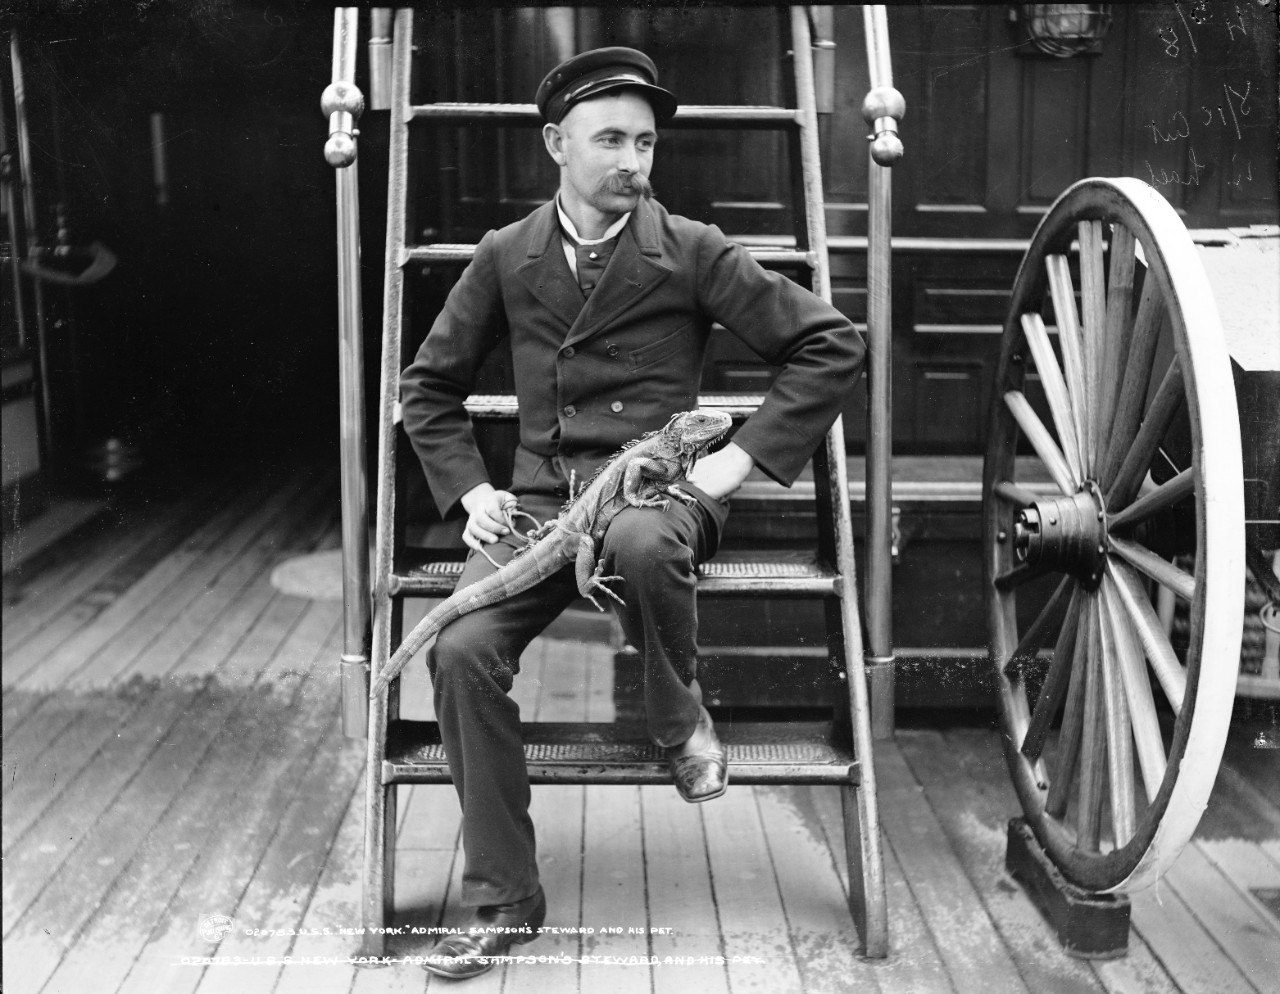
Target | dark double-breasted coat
(590,376)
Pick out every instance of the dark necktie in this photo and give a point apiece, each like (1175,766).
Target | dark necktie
(591,262)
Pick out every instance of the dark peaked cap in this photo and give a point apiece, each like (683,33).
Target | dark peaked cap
(598,71)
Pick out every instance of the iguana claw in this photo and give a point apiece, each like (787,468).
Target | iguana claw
(598,582)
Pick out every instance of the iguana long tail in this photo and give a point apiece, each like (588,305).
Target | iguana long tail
(489,590)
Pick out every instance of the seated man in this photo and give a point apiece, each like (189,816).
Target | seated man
(608,301)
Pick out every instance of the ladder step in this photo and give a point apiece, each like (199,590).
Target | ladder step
(435,572)
(443,252)
(503,407)
(582,752)
(690,116)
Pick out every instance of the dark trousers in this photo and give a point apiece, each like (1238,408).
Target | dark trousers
(474,660)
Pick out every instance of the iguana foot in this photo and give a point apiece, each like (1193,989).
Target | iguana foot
(597,583)
(680,495)
(661,503)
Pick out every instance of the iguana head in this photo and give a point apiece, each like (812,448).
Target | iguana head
(695,431)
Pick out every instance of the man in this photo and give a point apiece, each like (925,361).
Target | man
(608,301)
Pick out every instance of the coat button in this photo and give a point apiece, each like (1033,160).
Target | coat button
(570,411)
(568,352)
(613,351)
(616,407)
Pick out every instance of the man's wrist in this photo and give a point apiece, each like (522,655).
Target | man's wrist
(475,495)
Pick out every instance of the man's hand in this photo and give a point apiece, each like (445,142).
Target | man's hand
(721,473)
(486,522)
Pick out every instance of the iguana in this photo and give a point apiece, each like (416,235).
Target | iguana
(638,475)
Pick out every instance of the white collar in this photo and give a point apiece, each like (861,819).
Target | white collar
(572,232)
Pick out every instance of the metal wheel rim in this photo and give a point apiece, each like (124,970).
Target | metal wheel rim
(1215,604)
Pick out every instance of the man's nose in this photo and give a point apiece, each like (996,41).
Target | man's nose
(628,160)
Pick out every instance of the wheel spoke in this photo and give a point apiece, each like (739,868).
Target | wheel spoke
(1058,675)
(1155,644)
(1055,390)
(1041,441)
(1093,298)
(1016,577)
(1118,332)
(1033,639)
(1164,496)
(1068,321)
(1072,720)
(1011,493)
(1093,743)
(1130,402)
(1161,570)
(1137,689)
(1155,426)
(1119,735)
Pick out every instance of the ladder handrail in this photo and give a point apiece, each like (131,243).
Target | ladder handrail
(342,103)
(882,108)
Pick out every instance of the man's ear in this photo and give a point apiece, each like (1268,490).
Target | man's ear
(553,138)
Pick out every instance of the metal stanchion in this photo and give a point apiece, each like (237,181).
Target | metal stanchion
(342,102)
(882,109)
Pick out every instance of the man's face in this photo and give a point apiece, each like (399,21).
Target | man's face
(602,145)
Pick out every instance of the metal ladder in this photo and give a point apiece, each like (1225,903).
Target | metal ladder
(837,752)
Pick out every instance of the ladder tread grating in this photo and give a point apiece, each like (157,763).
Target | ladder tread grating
(434,573)
(594,752)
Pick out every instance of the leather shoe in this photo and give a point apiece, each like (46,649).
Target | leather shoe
(474,948)
(697,765)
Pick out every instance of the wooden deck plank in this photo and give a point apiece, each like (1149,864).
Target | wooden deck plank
(258,736)
(122,541)
(58,747)
(217,878)
(1246,864)
(970,946)
(993,801)
(118,759)
(298,852)
(613,891)
(975,818)
(299,527)
(170,624)
(46,757)
(821,929)
(48,914)
(1185,950)
(756,945)
(557,811)
(913,965)
(680,898)
(76,641)
(335,905)
(74,812)
(1246,933)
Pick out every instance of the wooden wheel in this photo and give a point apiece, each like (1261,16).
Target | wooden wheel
(1145,509)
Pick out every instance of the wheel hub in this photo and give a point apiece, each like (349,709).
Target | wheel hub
(1067,534)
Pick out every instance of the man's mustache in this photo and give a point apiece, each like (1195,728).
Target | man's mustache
(627,185)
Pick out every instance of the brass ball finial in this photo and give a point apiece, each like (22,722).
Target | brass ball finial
(886,148)
(882,109)
(883,101)
(340,150)
(342,97)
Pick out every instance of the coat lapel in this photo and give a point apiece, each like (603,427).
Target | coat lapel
(545,273)
(632,274)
